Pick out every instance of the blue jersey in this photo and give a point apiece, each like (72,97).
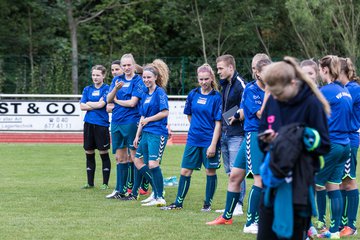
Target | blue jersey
(134,87)
(251,102)
(204,111)
(152,104)
(340,102)
(93,94)
(354,89)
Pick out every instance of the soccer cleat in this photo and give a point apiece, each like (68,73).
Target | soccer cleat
(143,192)
(159,202)
(87,186)
(104,187)
(130,197)
(120,196)
(206,207)
(327,234)
(320,226)
(112,195)
(172,206)
(149,199)
(220,221)
(312,233)
(348,231)
(252,228)
(238,210)
(220,210)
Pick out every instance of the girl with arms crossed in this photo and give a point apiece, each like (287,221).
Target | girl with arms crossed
(96,126)
(125,91)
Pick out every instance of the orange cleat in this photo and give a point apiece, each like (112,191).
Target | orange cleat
(143,192)
(220,221)
(347,231)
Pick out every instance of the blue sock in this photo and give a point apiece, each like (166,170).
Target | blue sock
(145,184)
(232,199)
(253,206)
(336,206)
(118,176)
(184,184)
(137,182)
(321,204)
(123,170)
(130,178)
(145,172)
(353,206)
(158,181)
(344,218)
(211,183)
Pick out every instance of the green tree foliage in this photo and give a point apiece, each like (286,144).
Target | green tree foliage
(326,26)
(37,53)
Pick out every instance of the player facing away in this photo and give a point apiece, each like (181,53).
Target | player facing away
(329,178)
(349,187)
(203,109)
(96,126)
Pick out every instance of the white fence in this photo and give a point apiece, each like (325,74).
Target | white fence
(47,112)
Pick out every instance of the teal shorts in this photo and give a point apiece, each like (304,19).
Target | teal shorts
(333,170)
(151,147)
(195,156)
(122,136)
(350,164)
(250,156)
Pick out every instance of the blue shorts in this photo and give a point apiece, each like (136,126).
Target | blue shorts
(195,156)
(333,170)
(250,156)
(350,164)
(122,136)
(151,147)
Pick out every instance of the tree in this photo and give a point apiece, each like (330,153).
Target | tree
(88,11)
(326,27)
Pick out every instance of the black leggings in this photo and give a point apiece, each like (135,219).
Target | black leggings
(266,217)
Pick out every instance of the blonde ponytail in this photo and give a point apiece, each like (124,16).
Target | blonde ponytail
(161,71)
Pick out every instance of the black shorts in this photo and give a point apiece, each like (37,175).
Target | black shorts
(96,137)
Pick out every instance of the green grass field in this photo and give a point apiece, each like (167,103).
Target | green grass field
(41,199)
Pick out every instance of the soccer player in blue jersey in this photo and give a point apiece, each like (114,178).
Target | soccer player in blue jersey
(350,190)
(249,157)
(329,178)
(96,126)
(311,69)
(152,132)
(203,108)
(125,91)
(232,132)
(115,71)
